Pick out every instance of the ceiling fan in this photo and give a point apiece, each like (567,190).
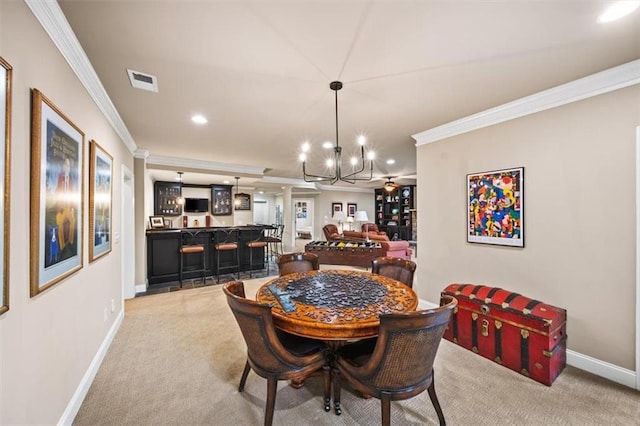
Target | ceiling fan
(390,185)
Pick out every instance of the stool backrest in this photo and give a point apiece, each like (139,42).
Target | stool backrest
(298,262)
(226,236)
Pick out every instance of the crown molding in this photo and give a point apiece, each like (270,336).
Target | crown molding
(593,85)
(142,154)
(50,16)
(208,166)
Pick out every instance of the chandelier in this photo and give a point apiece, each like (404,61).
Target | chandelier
(334,165)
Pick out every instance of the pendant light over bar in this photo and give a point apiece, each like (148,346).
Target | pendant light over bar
(358,165)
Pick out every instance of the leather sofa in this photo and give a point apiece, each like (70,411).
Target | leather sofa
(399,249)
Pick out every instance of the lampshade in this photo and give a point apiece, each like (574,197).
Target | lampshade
(339,216)
(361,216)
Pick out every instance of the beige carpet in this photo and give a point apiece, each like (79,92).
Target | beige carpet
(178,357)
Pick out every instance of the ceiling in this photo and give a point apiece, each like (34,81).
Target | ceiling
(260,72)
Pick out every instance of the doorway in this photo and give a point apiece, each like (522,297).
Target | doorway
(127,235)
(261,211)
(303,210)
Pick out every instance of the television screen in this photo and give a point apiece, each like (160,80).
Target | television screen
(196,205)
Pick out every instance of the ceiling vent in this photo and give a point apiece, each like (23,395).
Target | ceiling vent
(143,81)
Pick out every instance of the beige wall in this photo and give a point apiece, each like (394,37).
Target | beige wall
(48,341)
(365,201)
(579,223)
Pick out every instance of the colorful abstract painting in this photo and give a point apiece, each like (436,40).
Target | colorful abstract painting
(495,207)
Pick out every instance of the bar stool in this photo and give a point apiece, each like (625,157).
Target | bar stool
(226,241)
(257,242)
(274,239)
(190,246)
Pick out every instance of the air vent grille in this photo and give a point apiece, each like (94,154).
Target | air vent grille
(143,81)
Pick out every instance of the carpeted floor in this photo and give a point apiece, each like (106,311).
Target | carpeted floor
(178,357)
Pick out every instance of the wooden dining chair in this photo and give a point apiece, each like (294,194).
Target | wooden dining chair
(298,262)
(396,268)
(292,358)
(400,363)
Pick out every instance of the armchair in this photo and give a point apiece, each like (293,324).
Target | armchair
(400,365)
(270,356)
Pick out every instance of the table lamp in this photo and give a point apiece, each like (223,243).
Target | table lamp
(350,221)
(361,216)
(339,216)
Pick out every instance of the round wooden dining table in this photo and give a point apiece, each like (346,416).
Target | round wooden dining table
(335,305)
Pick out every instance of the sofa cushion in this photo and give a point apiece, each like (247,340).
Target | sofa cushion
(352,234)
(377,237)
(398,245)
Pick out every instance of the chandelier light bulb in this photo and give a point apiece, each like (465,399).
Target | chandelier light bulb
(354,161)
(306,146)
(371,155)
(303,157)
(329,163)
(362,140)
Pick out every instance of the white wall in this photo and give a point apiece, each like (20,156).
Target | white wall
(47,342)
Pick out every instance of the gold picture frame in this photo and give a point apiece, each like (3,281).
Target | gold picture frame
(5,183)
(57,195)
(100,201)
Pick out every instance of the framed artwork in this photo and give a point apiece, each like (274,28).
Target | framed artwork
(495,207)
(351,209)
(301,209)
(100,194)
(57,195)
(156,222)
(242,201)
(221,201)
(336,207)
(5,182)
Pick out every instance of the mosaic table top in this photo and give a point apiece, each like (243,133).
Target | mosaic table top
(335,305)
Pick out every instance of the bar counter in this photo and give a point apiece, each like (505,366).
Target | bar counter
(163,252)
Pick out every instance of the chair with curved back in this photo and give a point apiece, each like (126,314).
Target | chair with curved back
(330,231)
(394,267)
(298,262)
(225,244)
(274,239)
(191,244)
(257,243)
(370,227)
(269,356)
(400,364)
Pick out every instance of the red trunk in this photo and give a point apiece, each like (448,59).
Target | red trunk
(522,334)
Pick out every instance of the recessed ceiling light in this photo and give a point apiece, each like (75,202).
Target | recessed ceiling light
(225,182)
(391,161)
(327,145)
(618,10)
(199,119)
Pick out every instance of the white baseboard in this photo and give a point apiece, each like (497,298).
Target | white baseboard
(602,368)
(141,288)
(82,389)
(583,362)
